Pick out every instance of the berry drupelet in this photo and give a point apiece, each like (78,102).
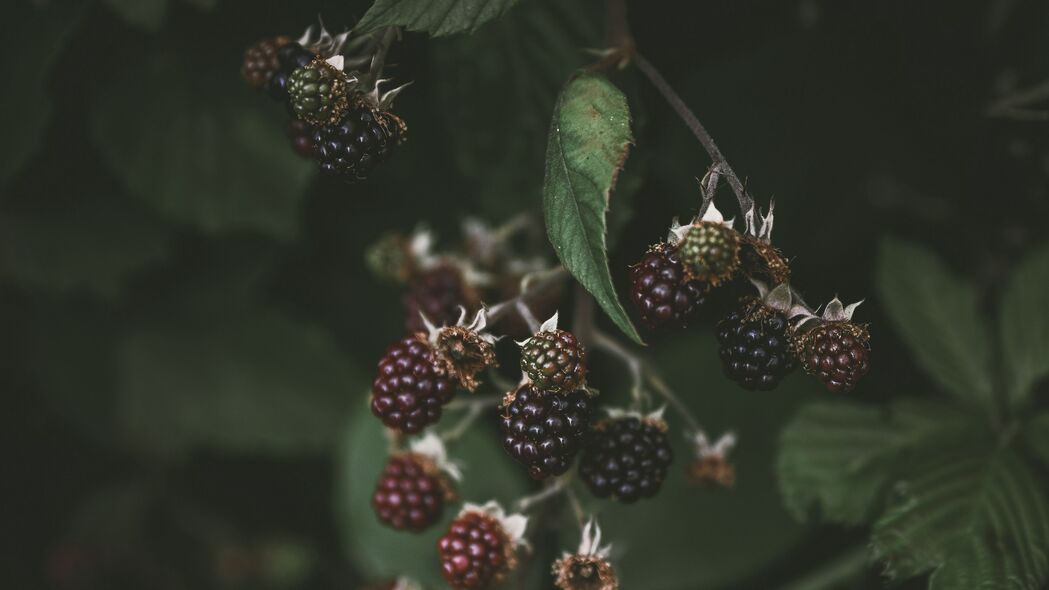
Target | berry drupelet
(626,459)
(351,148)
(660,290)
(754,346)
(554,361)
(411,387)
(411,493)
(475,551)
(544,430)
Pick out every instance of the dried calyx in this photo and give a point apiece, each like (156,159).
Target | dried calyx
(464,349)
(588,568)
(711,465)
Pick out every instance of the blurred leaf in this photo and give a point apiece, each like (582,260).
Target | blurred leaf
(1025,324)
(974,519)
(201,150)
(32,48)
(839,456)
(381,552)
(231,375)
(436,17)
(589,140)
(148,14)
(1037,434)
(691,536)
(508,76)
(63,241)
(936,314)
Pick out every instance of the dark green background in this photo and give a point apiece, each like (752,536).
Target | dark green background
(187,329)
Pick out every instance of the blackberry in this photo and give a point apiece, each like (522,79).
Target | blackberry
(300,133)
(260,61)
(554,361)
(837,353)
(317,92)
(411,493)
(754,346)
(709,252)
(661,291)
(352,147)
(544,430)
(626,459)
(475,551)
(411,387)
(277,86)
(438,293)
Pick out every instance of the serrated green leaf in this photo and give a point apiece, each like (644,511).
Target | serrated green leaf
(1037,434)
(839,456)
(588,144)
(199,148)
(936,314)
(975,519)
(1025,324)
(436,17)
(231,375)
(37,41)
(381,552)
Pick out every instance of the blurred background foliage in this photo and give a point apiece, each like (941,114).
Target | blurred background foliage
(188,328)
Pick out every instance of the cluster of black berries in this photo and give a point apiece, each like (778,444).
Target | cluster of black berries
(761,340)
(345,128)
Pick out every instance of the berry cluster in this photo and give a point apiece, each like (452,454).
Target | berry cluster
(344,122)
(760,341)
(627,458)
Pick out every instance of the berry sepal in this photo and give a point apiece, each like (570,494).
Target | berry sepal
(464,349)
(831,347)
(711,464)
(432,447)
(588,568)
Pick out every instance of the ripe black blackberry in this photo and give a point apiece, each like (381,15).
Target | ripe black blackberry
(754,346)
(544,430)
(836,352)
(438,293)
(411,493)
(410,387)
(626,458)
(351,148)
(660,290)
(554,361)
(300,134)
(260,61)
(475,551)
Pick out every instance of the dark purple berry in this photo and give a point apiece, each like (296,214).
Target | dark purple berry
(544,430)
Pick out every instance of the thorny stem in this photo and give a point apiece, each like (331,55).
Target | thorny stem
(720,164)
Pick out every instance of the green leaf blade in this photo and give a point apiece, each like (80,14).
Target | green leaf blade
(936,314)
(1025,324)
(589,140)
(436,17)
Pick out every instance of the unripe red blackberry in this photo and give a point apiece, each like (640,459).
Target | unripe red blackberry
(438,293)
(544,430)
(363,138)
(554,361)
(709,252)
(411,493)
(626,458)
(836,352)
(754,345)
(260,61)
(300,134)
(411,387)
(661,291)
(475,552)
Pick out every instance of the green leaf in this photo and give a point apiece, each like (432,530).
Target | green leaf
(974,519)
(1037,434)
(436,17)
(588,144)
(63,242)
(381,552)
(199,148)
(32,48)
(936,314)
(839,456)
(1025,324)
(233,375)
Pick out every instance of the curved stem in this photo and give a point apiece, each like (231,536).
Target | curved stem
(551,490)
(610,345)
(473,412)
(543,282)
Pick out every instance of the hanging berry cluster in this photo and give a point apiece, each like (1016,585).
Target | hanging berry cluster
(767,335)
(340,118)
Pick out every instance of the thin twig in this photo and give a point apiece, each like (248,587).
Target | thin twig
(472,413)
(489,401)
(526,314)
(577,506)
(551,490)
(542,283)
(1018,104)
(664,390)
(610,345)
(386,39)
(746,202)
